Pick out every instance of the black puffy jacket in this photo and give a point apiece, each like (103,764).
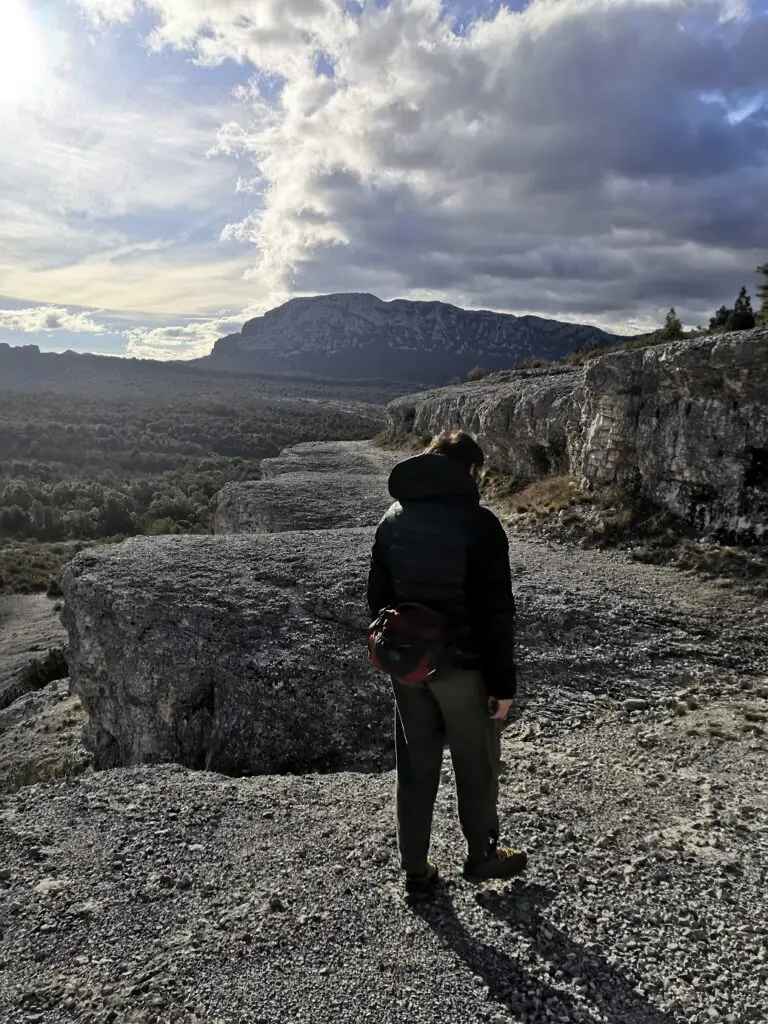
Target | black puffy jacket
(439,547)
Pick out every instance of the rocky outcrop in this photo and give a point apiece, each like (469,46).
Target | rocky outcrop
(684,425)
(350,458)
(316,486)
(301,501)
(237,654)
(244,653)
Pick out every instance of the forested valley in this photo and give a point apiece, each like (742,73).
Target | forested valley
(140,453)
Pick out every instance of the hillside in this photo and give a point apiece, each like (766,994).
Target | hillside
(358,335)
(24,368)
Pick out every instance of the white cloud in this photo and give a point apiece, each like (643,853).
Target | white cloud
(174,282)
(40,319)
(103,159)
(278,36)
(184,342)
(566,160)
(102,12)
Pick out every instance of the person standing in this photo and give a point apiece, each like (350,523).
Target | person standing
(437,547)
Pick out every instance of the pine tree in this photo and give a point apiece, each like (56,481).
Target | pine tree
(673,328)
(762,291)
(720,319)
(742,318)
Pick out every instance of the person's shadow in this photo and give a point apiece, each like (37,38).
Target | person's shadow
(609,990)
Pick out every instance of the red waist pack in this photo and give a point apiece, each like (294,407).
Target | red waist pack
(407,642)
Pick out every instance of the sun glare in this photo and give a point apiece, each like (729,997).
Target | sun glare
(21,52)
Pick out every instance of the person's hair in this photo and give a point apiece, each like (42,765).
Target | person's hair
(457,445)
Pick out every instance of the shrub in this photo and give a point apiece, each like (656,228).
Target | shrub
(160,527)
(549,494)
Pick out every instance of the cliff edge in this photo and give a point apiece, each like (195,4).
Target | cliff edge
(684,425)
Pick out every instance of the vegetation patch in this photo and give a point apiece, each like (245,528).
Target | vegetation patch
(558,509)
(44,768)
(545,496)
(724,560)
(28,567)
(409,444)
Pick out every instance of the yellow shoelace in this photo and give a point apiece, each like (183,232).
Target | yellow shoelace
(506,852)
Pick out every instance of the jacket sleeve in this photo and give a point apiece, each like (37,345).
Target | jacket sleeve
(380,590)
(492,605)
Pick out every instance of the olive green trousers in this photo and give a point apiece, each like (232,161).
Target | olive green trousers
(452,708)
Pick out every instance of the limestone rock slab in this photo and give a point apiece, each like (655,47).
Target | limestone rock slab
(239,654)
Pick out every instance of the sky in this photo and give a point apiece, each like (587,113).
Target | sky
(170,168)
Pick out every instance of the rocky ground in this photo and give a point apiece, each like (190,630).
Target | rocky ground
(40,737)
(40,725)
(635,775)
(29,629)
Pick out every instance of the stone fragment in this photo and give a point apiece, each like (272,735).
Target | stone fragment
(635,704)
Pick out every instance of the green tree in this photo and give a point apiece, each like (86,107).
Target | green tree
(742,317)
(116,518)
(762,291)
(720,320)
(673,328)
(476,374)
(13,521)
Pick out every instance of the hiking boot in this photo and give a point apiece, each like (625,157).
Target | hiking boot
(421,887)
(499,862)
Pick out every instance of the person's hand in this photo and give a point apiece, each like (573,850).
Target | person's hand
(503,709)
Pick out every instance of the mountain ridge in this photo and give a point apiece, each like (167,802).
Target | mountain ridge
(354,334)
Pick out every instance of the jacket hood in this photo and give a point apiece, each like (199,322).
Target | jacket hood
(431,477)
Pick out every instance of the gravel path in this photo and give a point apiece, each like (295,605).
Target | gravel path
(636,777)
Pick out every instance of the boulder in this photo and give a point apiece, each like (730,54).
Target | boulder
(239,654)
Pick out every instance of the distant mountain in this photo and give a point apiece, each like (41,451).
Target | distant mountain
(359,336)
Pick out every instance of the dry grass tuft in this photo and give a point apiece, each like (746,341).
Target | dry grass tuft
(544,496)
(408,443)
